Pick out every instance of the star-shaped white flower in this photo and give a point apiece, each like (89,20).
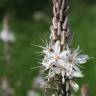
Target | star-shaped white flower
(68,60)
(51,55)
(73,58)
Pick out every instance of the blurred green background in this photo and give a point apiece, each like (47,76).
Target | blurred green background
(30,21)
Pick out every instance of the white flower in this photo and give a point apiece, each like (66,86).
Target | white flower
(73,59)
(64,63)
(7,36)
(52,57)
(68,60)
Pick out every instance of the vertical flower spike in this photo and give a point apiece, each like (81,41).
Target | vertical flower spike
(61,62)
(60,28)
(8,39)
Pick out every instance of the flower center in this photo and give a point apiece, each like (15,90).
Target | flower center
(71,60)
(56,57)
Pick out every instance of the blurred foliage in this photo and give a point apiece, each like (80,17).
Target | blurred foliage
(89,1)
(25,8)
(22,8)
(82,22)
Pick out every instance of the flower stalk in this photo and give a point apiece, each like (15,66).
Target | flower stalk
(60,61)
(60,31)
(8,39)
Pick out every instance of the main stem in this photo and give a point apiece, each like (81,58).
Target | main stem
(7,45)
(60,31)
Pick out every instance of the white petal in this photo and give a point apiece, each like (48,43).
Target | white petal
(82,59)
(69,67)
(77,74)
(57,47)
(65,55)
(69,71)
(46,65)
(75,67)
(61,63)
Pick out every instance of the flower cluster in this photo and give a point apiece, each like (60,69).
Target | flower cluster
(64,63)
